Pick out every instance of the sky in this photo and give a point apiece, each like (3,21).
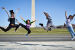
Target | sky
(55,8)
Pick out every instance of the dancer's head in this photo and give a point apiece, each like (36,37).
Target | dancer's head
(12,13)
(70,16)
(27,21)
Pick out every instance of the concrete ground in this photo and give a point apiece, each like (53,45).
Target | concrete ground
(50,45)
(36,42)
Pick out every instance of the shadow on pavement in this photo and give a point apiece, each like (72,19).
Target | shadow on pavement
(54,45)
(2,45)
(29,44)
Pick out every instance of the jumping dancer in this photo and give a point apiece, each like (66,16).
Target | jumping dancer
(49,23)
(11,19)
(27,26)
(69,26)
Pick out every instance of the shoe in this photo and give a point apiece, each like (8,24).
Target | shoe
(49,29)
(14,30)
(51,26)
(40,24)
(72,38)
(26,35)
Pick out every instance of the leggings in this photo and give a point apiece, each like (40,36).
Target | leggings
(29,31)
(9,27)
(48,26)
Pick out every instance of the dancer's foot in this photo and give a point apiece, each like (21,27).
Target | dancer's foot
(51,26)
(1,27)
(40,24)
(72,38)
(49,29)
(14,30)
(26,35)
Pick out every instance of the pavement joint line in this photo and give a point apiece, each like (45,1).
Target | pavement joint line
(35,36)
(52,38)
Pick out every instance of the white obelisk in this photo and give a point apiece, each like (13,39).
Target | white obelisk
(33,13)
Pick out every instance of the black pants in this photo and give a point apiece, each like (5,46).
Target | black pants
(9,27)
(29,31)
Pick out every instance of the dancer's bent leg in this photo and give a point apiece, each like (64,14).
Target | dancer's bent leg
(48,25)
(29,31)
(16,26)
(8,28)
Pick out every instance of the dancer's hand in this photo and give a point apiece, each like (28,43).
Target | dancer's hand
(65,11)
(21,16)
(74,14)
(43,12)
(3,8)
(18,9)
(36,20)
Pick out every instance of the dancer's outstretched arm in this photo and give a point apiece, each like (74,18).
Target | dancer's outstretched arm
(22,18)
(16,12)
(73,16)
(35,20)
(6,11)
(65,14)
(46,14)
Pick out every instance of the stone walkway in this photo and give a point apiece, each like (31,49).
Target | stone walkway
(52,45)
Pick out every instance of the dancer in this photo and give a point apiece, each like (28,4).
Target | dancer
(49,23)
(27,26)
(69,25)
(11,19)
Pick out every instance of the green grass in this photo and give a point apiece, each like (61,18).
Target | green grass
(34,31)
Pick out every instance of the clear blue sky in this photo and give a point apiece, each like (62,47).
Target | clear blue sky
(55,8)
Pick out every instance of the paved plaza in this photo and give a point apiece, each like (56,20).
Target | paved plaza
(51,45)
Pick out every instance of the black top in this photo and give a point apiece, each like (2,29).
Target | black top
(12,20)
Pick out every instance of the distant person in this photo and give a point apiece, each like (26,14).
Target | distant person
(11,19)
(27,26)
(49,26)
(64,25)
(69,25)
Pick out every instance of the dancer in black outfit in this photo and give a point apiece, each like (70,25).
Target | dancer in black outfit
(12,21)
